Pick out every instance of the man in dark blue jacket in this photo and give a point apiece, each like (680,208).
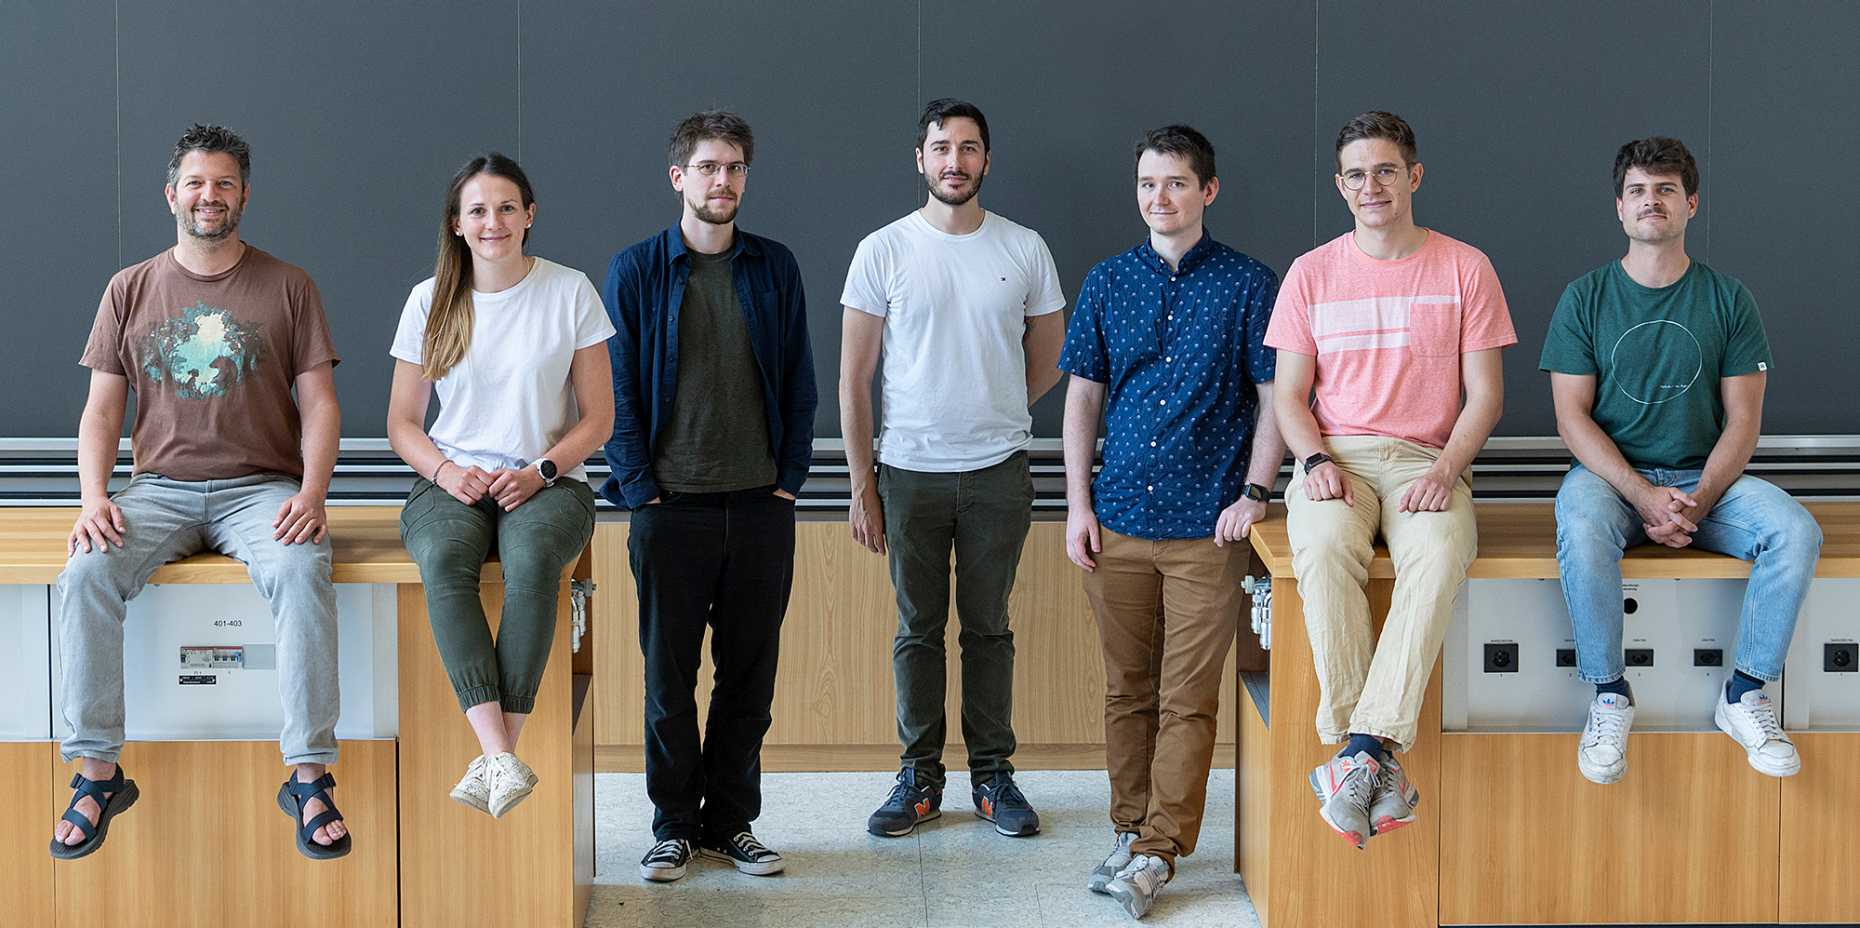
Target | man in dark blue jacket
(713,433)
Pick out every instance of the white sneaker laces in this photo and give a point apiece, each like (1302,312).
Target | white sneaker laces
(1605,726)
(1763,715)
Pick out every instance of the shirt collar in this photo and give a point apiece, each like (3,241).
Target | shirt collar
(1201,251)
(743,243)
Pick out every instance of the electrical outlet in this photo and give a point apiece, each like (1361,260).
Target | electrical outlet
(1566,657)
(1501,657)
(1708,657)
(1837,657)
(1640,657)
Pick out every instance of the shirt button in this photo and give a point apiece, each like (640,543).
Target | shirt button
(1162,402)
(1168,360)
(1170,317)
(1152,488)
(1152,444)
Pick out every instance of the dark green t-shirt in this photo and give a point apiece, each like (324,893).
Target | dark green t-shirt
(717,439)
(1657,356)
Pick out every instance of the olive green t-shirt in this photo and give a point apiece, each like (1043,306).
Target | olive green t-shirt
(717,438)
(1657,355)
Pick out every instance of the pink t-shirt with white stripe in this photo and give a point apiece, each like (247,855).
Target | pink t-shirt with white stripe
(1388,335)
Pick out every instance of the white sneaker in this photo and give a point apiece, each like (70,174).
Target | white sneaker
(1107,871)
(473,790)
(1751,722)
(1602,754)
(1136,886)
(511,781)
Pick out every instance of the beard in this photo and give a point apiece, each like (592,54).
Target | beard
(228,223)
(719,215)
(936,190)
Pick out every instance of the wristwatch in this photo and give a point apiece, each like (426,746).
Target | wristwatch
(1256,493)
(546,468)
(1315,460)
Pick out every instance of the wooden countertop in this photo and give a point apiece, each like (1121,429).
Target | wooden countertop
(366,542)
(1518,541)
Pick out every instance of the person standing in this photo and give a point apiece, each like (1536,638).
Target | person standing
(965,307)
(1168,337)
(713,435)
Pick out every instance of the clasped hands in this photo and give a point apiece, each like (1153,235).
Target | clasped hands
(1668,515)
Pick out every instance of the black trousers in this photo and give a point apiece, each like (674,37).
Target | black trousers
(723,561)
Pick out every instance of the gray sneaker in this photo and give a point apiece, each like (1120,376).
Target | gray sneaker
(1391,804)
(1136,886)
(1601,755)
(1344,786)
(1107,871)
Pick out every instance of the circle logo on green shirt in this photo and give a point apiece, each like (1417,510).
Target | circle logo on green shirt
(1656,362)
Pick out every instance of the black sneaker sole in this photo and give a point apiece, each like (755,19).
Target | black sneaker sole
(881,832)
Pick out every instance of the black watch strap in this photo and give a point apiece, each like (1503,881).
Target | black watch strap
(1315,460)
(1257,493)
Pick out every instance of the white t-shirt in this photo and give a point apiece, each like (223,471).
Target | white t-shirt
(510,400)
(955,306)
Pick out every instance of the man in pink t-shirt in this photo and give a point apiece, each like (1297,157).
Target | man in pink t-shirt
(1388,326)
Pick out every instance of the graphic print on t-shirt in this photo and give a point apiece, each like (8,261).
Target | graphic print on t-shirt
(203,352)
(1656,362)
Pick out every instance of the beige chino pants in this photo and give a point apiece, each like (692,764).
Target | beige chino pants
(1365,685)
(1167,611)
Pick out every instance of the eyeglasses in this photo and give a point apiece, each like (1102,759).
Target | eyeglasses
(1385,176)
(736,169)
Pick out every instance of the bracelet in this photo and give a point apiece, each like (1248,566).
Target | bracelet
(442,466)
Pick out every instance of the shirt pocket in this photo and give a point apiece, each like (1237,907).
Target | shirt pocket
(1434,330)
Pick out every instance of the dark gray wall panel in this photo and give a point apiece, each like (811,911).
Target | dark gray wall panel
(57,63)
(1068,89)
(828,87)
(1785,127)
(357,113)
(360,111)
(1518,109)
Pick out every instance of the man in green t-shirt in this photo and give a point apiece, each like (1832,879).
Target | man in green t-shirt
(1658,365)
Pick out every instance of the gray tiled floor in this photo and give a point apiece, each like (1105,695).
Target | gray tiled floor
(952,872)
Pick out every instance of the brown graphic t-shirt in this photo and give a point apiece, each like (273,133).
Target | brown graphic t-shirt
(212,361)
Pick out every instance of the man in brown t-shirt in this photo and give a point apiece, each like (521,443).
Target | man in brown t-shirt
(213,336)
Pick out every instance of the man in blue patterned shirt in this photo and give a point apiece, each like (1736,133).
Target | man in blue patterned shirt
(1168,336)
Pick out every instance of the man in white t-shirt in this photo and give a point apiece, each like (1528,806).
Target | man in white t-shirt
(965,305)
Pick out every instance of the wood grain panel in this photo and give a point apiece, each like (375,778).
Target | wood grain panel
(834,687)
(27,771)
(1518,541)
(1655,847)
(206,843)
(1316,877)
(459,866)
(365,541)
(1253,810)
(1819,841)
(583,827)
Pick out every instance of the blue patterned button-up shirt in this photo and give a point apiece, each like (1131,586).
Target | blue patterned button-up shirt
(1179,353)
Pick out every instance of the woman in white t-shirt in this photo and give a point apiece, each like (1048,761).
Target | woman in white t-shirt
(515,347)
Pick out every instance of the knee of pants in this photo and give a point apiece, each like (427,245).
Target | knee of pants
(1583,538)
(1797,533)
(304,568)
(94,572)
(532,566)
(446,561)
(1330,558)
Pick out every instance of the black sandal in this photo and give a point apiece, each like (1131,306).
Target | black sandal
(292,797)
(123,794)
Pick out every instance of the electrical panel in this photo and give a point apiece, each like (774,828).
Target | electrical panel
(200,662)
(1509,657)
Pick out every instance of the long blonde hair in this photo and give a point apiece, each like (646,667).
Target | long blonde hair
(449,319)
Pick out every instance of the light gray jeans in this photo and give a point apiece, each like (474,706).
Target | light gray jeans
(166,520)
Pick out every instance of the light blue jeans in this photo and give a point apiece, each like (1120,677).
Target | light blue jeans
(1754,520)
(166,520)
